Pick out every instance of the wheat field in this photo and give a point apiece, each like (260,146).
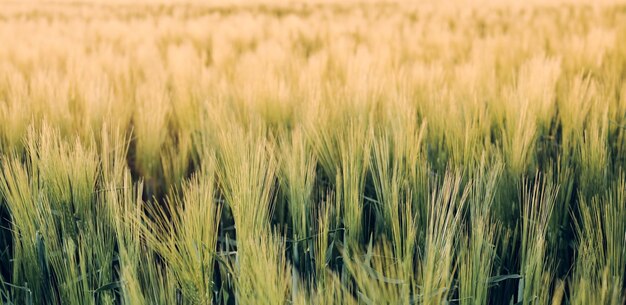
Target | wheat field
(374,152)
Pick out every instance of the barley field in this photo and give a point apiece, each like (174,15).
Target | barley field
(359,152)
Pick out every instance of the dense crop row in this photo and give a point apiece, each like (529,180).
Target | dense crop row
(371,153)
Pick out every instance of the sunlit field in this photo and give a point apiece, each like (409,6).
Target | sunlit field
(313,153)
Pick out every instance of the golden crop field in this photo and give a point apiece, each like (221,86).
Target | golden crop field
(374,152)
